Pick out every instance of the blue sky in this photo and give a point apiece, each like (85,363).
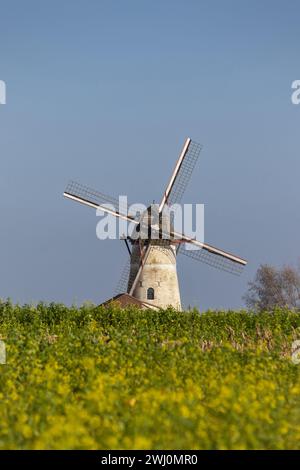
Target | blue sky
(105,92)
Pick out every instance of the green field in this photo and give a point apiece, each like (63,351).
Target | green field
(96,378)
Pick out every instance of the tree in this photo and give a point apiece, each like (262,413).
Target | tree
(274,287)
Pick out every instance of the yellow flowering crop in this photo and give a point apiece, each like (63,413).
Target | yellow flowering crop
(106,378)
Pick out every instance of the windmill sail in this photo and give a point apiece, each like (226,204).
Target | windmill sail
(205,253)
(95,199)
(122,285)
(181,174)
(143,259)
(216,258)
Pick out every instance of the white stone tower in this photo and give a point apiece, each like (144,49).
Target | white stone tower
(158,282)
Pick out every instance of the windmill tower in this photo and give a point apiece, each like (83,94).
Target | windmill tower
(153,279)
(150,277)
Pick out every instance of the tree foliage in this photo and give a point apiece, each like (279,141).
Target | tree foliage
(274,287)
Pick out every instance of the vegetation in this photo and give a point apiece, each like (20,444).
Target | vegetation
(97,378)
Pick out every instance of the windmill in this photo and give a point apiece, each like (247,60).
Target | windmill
(150,277)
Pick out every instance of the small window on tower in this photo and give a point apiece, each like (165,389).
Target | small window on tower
(150,293)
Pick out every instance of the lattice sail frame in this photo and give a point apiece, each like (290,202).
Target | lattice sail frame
(122,285)
(89,195)
(211,259)
(184,173)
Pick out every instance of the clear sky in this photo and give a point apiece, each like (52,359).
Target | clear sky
(105,92)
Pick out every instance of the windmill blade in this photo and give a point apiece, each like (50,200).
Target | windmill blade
(180,239)
(206,253)
(143,260)
(181,174)
(92,198)
(127,246)
(122,285)
(214,257)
